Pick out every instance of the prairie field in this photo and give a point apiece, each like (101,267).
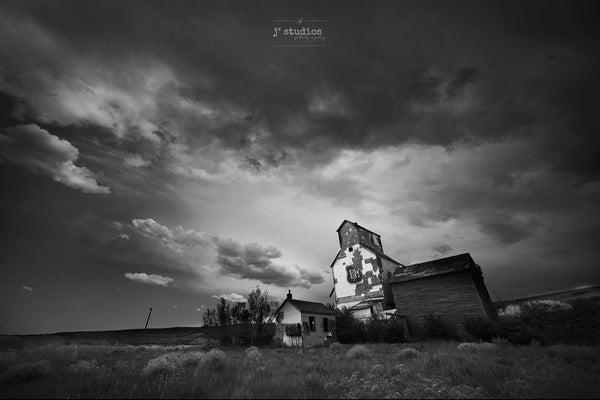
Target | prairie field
(436,369)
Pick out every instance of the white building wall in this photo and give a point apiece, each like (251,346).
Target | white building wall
(344,288)
(291,315)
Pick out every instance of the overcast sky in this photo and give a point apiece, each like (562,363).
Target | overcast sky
(162,154)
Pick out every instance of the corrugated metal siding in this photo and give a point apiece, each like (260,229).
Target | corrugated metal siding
(454,297)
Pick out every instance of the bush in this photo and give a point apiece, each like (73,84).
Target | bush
(215,357)
(162,365)
(336,346)
(480,328)
(377,370)
(358,351)
(409,353)
(393,331)
(374,330)
(545,322)
(348,328)
(436,328)
(253,355)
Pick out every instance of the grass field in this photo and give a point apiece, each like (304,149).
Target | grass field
(425,370)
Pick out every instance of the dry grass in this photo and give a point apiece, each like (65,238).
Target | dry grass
(426,370)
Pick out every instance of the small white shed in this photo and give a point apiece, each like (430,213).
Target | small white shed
(304,323)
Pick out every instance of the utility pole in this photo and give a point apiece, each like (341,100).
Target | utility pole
(150,312)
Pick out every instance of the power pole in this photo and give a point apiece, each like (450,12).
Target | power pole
(150,312)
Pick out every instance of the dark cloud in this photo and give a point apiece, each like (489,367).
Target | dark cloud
(253,261)
(462,77)
(168,104)
(442,248)
(507,229)
(240,260)
(253,163)
(45,154)
(444,87)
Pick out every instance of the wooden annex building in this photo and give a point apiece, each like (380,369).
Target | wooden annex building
(370,283)
(451,287)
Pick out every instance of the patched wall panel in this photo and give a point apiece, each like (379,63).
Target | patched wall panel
(347,286)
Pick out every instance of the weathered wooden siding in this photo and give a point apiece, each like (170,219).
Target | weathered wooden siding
(350,235)
(485,296)
(454,297)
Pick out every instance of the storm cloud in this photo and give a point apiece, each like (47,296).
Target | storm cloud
(253,261)
(45,154)
(240,260)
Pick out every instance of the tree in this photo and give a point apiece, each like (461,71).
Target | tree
(239,314)
(258,305)
(209,318)
(223,312)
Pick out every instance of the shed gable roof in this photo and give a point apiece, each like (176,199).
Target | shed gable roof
(308,307)
(442,266)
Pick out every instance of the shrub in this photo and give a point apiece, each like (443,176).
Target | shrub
(162,365)
(26,372)
(393,330)
(408,353)
(468,347)
(358,351)
(253,355)
(193,358)
(480,328)
(215,356)
(551,322)
(436,328)
(374,329)
(377,369)
(336,346)
(348,328)
(488,346)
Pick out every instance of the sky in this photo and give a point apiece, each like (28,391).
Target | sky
(166,154)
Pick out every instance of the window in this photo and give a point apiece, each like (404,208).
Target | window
(312,324)
(326,324)
(350,249)
(375,239)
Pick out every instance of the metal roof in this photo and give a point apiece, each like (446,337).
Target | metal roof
(442,266)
